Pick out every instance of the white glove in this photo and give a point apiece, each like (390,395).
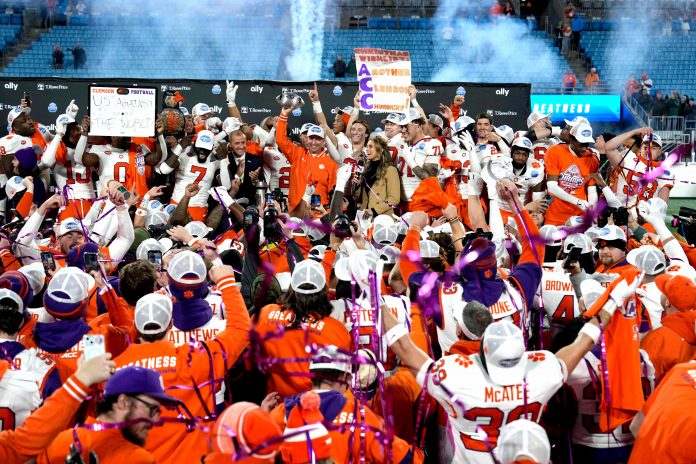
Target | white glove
(624,291)
(231,93)
(72,109)
(474,186)
(650,213)
(309,191)
(213,124)
(231,124)
(583,205)
(62,123)
(222,196)
(410,158)
(466,141)
(343,176)
(556,131)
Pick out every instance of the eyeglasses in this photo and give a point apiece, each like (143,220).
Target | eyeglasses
(154,409)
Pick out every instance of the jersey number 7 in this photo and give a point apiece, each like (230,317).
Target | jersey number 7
(201,173)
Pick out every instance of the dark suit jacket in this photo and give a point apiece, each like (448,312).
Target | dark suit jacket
(251,163)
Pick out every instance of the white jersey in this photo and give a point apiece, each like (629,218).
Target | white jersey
(114,163)
(67,171)
(530,177)
(396,146)
(626,181)
(21,387)
(214,299)
(12,142)
(276,169)
(426,151)
(344,146)
(558,297)
(483,407)
(452,301)
(540,147)
(191,171)
(587,388)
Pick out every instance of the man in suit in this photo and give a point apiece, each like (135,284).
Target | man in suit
(245,166)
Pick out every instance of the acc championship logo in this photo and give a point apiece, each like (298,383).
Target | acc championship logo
(587,133)
(461,91)
(338,91)
(52,107)
(71,225)
(216,90)
(297,112)
(205,138)
(571,178)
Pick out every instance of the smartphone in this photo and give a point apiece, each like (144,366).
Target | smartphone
(269,198)
(315,202)
(91,262)
(549,200)
(155,258)
(27,99)
(248,219)
(93,346)
(573,257)
(49,263)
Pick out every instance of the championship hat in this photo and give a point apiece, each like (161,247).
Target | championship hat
(308,277)
(523,440)
(315,131)
(13,186)
(36,275)
(582,133)
(67,293)
(535,117)
(205,140)
(155,309)
(199,109)
(503,348)
(647,258)
(393,118)
(15,112)
(69,225)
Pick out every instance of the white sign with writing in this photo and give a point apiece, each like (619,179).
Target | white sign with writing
(122,111)
(384,77)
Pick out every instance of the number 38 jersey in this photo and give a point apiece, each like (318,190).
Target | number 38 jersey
(192,171)
(483,407)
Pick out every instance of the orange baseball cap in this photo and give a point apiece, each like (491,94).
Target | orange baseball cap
(679,290)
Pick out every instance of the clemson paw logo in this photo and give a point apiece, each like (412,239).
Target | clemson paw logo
(188,294)
(488,273)
(463,361)
(534,357)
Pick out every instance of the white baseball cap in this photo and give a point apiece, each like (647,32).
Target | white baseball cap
(153,308)
(155,218)
(403,223)
(342,269)
(305,127)
(436,120)
(329,357)
(411,115)
(360,264)
(659,203)
(523,438)
(197,228)
(575,221)
(69,225)
(7,293)
(648,258)
(35,274)
(199,109)
(429,249)
(166,243)
(317,252)
(461,123)
(611,232)
(69,285)
(655,138)
(536,117)
(389,254)
(577,120)
(204,140)
(591,290)
(346,109)
(231,124)
(503,347)
(13,186)
(188,268)
(307,273)
(16,111)
(581,241)
(147,245)
(582,133)
(551,235)
(284,279)
(315,131)
(393,118)
(523,143)
(384,231)
(506,132)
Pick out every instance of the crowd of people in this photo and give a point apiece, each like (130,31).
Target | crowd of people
(437,289)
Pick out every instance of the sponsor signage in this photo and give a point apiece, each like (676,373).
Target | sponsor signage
(596,108)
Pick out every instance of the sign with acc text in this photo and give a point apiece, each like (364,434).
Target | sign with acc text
(383,78)
(122,111)
(596,108)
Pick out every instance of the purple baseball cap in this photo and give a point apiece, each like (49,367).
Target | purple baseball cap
(134,380)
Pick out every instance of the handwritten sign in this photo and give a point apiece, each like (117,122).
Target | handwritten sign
(122,111)
(383,77)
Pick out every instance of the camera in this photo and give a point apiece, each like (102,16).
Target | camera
(250,217)
(159,230)
(573,257)
(342,226)
(685,223)
(270,224)
(280,198)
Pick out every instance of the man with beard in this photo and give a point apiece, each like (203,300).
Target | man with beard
(421,158)
(134,395)
(24,132)
(611,244)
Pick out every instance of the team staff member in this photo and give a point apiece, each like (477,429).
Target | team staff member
(310,166)
(568,167)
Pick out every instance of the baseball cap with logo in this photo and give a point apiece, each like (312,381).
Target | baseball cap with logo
(315,131)
(429,249)
(69,225)
(305,127)
(187,268)
(204,140)
(412,115)
(393,118)
(536,117)
(506,132)
(679,290)
(7,293)
(611,235)
(461,123)
(436,120)
(15,112)
(154,309)
(13,186)
(147,245)
(136,380)
(35,274)
(346,109)
(522,142)
(655,139)
(308,277)
(582,133)
(577,120)
(581,241)
(503,348)
(199,109)
(647,258)
(523,440)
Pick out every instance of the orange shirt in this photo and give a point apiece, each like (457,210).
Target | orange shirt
(305,168)
(179,366)
(326,331)
(109,445)
(673,343)
(572,172)
(668,433)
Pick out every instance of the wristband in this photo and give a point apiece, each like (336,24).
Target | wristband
(610,306)
(217,262)
(394,334)
(414,102)
(316,107)
(192,242)
(177,150)
(140,212)
(453,220)
(591,331)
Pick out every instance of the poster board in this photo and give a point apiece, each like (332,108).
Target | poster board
(122,111)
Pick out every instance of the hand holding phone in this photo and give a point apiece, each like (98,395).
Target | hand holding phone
(49,263)
(92,346)
(91,262)
(155,258)
(315,202)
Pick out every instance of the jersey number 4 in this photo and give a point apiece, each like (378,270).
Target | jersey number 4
(491,420)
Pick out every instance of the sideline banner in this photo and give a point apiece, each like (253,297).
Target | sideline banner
(506,103)
(383,78)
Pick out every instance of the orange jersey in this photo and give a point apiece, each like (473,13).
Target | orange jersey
(668,433)
(293,343)
(572,172)
(305,168)
(109,445)
(180,366)
(41,427)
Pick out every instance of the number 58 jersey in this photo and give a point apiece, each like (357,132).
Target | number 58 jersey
(482,407)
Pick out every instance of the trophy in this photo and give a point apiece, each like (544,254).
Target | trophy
(290,100)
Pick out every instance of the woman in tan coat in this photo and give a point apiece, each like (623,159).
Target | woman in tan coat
(381,186)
